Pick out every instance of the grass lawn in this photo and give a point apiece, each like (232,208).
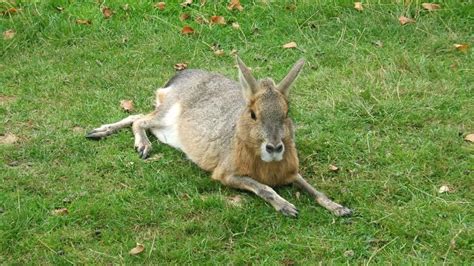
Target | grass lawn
(387,104)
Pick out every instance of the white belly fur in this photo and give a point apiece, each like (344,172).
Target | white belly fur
(168,131)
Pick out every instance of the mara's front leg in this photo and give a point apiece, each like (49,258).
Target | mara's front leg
(263,191)
(321,198)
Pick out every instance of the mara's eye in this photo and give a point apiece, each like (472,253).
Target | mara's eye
(252,114)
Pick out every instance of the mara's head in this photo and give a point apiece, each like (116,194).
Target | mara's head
(265,120)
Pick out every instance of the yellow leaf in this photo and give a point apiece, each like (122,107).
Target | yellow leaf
(469,137)
(235,4)
(404,20)
(333,168)
(235,25)
(430,6)
(160,5)
(61,211)
(137,250)
(83,21)
(8,34)
(8,139)
(184,16)
(180,66)
(358,6)
(218,20)
(219,52)
(444,189)
(186,3)
(462,47)
(126,105)
(290,45)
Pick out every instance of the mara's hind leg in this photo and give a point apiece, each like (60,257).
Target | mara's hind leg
(139,127)
(108,129)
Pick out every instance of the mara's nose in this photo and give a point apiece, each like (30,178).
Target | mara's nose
(271,148)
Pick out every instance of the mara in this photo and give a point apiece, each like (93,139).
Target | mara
(239,131)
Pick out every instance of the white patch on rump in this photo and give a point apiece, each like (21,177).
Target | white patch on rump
(168,131)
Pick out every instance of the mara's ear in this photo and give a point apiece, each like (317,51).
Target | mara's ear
(247,81)
(285,84)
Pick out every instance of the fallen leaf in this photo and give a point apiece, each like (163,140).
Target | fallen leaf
(298,194)
(78,129)
(430,6)
(60,211)
(186,3)
(8,34)
(137,250)
(126,105)
(469,137)
(462,47)
(160,5)
(154,158)
(235,25)
(201,20)
(288,262)
(378,43)
(349,253)
(289,45)
(184,16)
(11,11)
(358,6)
(219,52)
(404,20)
(83,21)
(180,66)
(235,201)
(125,7)
(8,139)
(233,52)
(107,12)
(60,8)
(235,4)
(333,168)
(218,20)
(444,189)
(187,30)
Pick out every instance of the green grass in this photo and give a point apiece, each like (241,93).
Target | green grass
(392,118)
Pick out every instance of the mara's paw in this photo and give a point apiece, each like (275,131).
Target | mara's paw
(342,211)
(100,132)
(288,209)
(143,149)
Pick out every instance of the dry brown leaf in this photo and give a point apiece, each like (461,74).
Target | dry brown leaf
(8,139)
(235,4)
(60,211)
(186,3)
(137,250)
(358,6)
(218,20)
(235,25)
(290,45)
(469,137)
(186,30)
(83,21)
(333,168)
(11,11)
(444,189)
(235,201)
(180,66)
(430,6)
(8,34)
(160,5)
(404,20)
(126,105)
(107,12)
(219,52)
(4,99)
(201,20)
(184,16)
(462,47)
